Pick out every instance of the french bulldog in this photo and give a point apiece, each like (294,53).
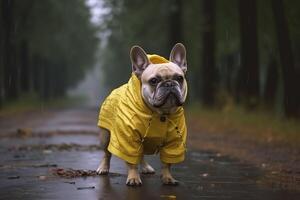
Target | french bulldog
(163,89)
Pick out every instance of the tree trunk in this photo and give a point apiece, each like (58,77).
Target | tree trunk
(271,83)
(35,74)
(1,57)
(209,73)
(25,67)
(38,76)
(248,84)
(9,54)
(47,86)
(175,19)
(291,90)
(59,86)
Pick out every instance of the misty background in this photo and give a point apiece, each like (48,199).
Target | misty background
(241,53)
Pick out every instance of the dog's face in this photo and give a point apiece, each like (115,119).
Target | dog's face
(164,87)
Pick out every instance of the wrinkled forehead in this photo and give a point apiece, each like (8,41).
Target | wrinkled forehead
(163,70)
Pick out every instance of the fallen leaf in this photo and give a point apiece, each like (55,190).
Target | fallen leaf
(168,196)
(13,177)
(42,177)
(86,188)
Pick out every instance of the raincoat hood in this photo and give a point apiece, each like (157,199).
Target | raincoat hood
(136,130)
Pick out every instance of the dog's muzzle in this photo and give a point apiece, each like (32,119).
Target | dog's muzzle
(168,90)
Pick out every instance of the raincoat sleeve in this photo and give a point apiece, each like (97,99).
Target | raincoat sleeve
(174,148)
(125,142)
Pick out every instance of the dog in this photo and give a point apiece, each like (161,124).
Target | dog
(146,116)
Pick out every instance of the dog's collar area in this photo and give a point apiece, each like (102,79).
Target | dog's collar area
(163,118)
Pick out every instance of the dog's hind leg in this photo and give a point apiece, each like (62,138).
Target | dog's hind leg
(105,163)
(146,167)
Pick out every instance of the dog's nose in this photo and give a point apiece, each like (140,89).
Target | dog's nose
(169,84)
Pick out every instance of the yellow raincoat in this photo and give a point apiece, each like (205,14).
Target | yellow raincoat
(136,130)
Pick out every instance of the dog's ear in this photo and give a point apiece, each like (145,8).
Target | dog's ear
(139,60)
(178,56)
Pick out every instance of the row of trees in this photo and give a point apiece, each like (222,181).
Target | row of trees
(45,47)
(238,49)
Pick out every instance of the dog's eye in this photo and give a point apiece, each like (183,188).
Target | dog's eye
(179,79)
(153,81)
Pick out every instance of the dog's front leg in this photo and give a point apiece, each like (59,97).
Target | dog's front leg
(133,178)
(105,162)
(166,176)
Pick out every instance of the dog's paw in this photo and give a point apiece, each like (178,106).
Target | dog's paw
(169,180)
(134,181)
(103,168)
(147,169)
(102,171)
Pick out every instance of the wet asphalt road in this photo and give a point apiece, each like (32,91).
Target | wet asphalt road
(48,139)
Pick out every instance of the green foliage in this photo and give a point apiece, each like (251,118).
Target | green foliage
(60,40)
(227,30)
(292,8)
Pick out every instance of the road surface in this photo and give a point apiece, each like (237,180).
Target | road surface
(34,144)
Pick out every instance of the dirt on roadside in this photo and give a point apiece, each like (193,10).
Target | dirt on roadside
(279,161)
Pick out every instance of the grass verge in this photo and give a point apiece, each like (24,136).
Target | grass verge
(30,102)
(259,126)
